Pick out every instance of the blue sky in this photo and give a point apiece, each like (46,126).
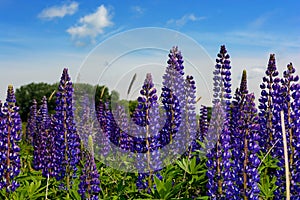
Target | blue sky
(38,39)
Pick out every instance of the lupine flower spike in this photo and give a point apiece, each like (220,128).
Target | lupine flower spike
(67,142)
(89,187)
(10,135)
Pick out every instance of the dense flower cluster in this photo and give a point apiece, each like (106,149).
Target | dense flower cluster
(43,141)
(266,104)
(67,142)
(10,135)
(214,151)
(248,162)
(222,95)
(282,100)
(173,85)
(89,186)
(203,123)
(233,139)
(295,153)
(147,117)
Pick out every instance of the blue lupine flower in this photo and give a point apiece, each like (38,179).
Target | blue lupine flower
(237,139)
(86,120)
(278,101)
(189,121)
(10,135)
(248,129)
(43,141)
(146,116)
(266,105)
(173,80)
(214,151)
(89,186)
(203,123)
(283,100)
(67,142)
(295,171)
(121,118)
(102,137)
(224,95)
(222,183)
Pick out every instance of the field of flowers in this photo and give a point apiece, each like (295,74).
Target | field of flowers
(165,149)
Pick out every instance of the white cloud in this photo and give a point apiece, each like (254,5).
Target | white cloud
(137,9)
(259,70)
(92,24)
(59,11)
(184,19)
(261,20)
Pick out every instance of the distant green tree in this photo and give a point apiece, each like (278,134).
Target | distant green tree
(26,93)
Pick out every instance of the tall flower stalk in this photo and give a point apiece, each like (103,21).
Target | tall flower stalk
(266,105)
(248,129)
(89,186)
(222,96)
(10,135)
(67,142)
(295,163)
(146,116)
(173,81)
(284,98)
(43,141)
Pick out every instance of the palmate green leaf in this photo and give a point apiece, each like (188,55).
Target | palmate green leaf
(267,187)
(165,188)
(190,166)
(29,191)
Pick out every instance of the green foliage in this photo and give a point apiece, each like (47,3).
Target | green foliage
(26,93)
(184,179)
(267,176)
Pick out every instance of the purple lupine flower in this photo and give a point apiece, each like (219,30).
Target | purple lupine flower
(10,135)
(223,65)
(31,123)
(266,104)
(112,129)
(237,139)
(37,141)
(67,142)
(173,119)
(121,118)
(248,129)
(142,181)
(43,141)
(173,80)
(222,78)
(278,105)
(295,172)
(89,186)
(189,121)
(102,136)
(214,151)
(203,123)
(146,116)
(283,100)
(223,184)
(86,120)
